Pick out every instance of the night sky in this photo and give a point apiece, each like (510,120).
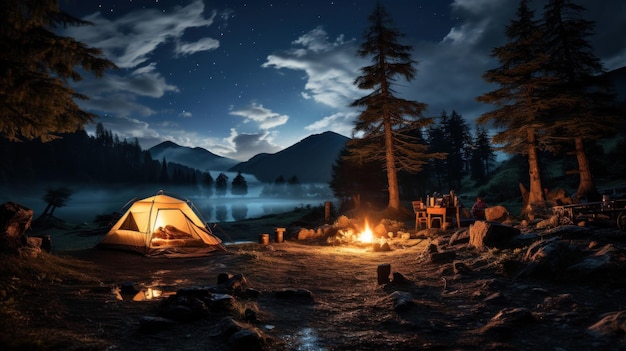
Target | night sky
(243,77)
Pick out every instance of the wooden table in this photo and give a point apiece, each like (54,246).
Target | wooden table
(443,211)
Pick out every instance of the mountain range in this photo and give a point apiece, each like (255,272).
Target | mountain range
(310,160)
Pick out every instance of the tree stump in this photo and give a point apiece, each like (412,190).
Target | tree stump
(383,271)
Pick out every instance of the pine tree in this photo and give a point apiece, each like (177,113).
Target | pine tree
(438,144)
(164,176)
(221,184)
(482,155)
(585,112)
(458,137)
(521,99)
(387,119)
(36,65)
(239,185)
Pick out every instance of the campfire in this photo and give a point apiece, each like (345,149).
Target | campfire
(351,232)
(365,236)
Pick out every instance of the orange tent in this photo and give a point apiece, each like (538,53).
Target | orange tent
(162,225)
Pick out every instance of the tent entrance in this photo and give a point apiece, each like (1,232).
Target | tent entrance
(173,224)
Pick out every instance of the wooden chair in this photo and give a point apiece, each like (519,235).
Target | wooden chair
(436,214)
(420,215)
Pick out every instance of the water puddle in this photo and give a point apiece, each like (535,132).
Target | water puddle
(305,340)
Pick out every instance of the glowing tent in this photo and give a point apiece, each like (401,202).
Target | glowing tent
(162,225)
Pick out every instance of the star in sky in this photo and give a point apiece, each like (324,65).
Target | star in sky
(241,78)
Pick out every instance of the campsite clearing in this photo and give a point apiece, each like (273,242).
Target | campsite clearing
(67,302)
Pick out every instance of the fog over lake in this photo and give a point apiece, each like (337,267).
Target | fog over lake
(86,203)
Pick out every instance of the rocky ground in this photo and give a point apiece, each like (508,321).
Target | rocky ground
(559,288)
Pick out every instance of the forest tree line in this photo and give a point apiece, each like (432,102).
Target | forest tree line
(78,158)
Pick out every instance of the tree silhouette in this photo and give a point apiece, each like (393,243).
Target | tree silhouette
(55,198)
(164,175)
(386,119)
(239,185)
(482,156)
(36,65)
(207,183)
(221,184)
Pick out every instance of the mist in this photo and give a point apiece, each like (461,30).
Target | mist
(88,202)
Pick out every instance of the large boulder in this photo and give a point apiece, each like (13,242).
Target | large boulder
(496,214)
(487,234)
(15,219)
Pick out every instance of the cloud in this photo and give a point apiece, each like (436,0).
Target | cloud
(265,118)
(330,67)
(130,39)
(246,145)
(204,44)
(117,95)
(340,122)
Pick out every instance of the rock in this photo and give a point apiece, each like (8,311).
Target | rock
(46,242)
(245,340)
(549,259)
(505,322)
(223,278)
(221,302)
(612,325)
(401,300)
(183,308)
(398,278)
(485,234)
(15,219)
(227,327)
(384,247)
(496,214)
(236,284)
(250,315)
(442,257)
(305,234)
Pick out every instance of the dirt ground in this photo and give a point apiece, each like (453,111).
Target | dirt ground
(449,310)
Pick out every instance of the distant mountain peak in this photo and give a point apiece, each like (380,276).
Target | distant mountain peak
(310,160)
(197,157)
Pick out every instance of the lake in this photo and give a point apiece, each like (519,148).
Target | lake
(87,203)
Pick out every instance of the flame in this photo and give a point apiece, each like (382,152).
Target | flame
(366,235)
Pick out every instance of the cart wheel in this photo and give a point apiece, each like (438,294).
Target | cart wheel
(621,220)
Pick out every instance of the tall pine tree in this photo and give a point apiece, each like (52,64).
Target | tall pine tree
(585,112)
(387,119)
(521,99)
